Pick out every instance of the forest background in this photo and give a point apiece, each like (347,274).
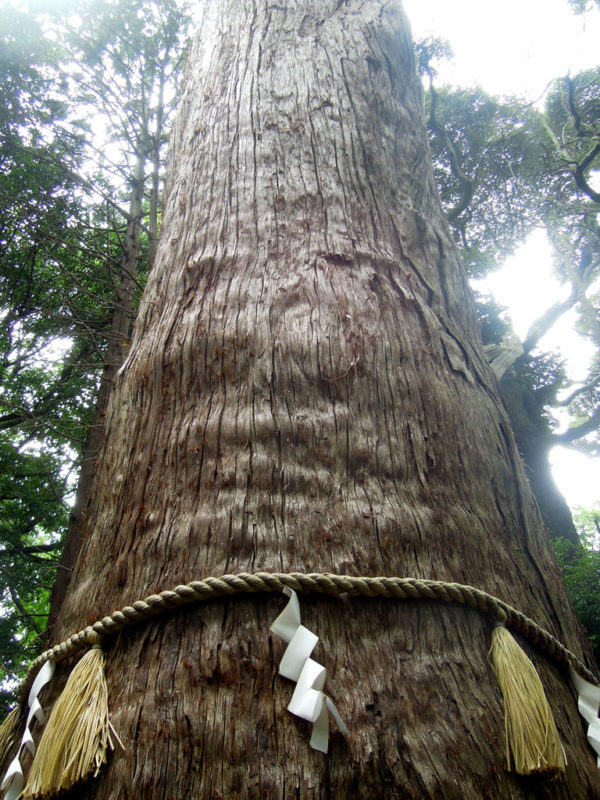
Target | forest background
(87,92)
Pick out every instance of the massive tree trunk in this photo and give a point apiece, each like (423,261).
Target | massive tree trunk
(306,391)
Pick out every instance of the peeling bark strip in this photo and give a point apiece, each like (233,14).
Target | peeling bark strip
(306,391)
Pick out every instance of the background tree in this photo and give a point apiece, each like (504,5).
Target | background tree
(504,169)
(128,59)
(79,223)
(579,6)
(307,390)
(581,571)
(40,204)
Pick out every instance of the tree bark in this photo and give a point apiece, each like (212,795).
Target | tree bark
(307,391)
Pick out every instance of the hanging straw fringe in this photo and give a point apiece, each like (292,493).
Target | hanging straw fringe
(531,736)
(8,734)
(78,734)
(87,722)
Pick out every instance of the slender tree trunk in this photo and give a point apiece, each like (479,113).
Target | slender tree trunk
(118,342)
(157,141)
(306,391)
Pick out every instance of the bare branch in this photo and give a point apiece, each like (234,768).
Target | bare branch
(579,391)
(572,434)
(466,185)
(542,325)
(579,174)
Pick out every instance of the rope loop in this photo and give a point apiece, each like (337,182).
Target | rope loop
(92,637)
(322,583)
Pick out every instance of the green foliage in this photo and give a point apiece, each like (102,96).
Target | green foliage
(430,52)
(40,414)
(571,204)
(505,168)
(573,103)
(32,514)
(64,195)
(544,375)
(492,318)
(581,571)
(500,145)
(588,525)
(122,56)
(26,90)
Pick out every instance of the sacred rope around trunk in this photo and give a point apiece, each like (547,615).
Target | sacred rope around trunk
(78,736)
(322,583)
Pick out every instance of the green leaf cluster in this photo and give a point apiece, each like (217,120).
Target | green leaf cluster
(89,90)
(581,570)
(505,168)
(499,145)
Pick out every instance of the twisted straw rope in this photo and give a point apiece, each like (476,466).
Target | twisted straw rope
(247,583)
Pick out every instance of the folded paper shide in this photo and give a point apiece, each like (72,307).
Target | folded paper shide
(309,701)
(14,780)
(78,737)
(588,703)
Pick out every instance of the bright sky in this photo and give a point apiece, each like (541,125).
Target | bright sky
(512,47)
(517,47)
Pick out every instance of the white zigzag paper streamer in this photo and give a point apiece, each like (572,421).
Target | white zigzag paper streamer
(14,779)
(588,704)
(308,701)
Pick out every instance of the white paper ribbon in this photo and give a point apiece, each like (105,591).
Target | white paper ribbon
(308,701)
(588,704)
(14,780)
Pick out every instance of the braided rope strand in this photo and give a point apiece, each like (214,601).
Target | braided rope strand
(321,583)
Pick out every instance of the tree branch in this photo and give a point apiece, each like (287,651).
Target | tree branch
(579,174)
(572,434)
(31,549)
(572,107)
(576,392)
(25,614)
(466,185)
(542,325)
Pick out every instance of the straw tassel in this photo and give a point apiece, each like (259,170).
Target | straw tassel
(532,741)
(76,739)
(9,734)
